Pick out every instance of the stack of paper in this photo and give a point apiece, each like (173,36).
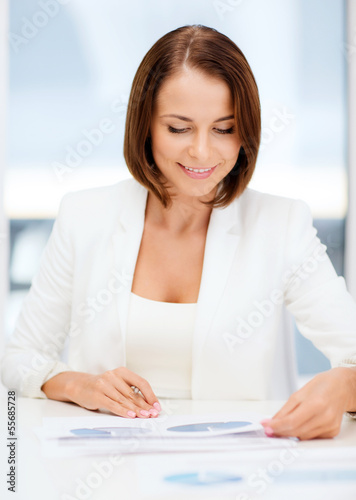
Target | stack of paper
(104,434)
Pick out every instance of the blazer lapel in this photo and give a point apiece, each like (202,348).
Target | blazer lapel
(221,245)
(126,243)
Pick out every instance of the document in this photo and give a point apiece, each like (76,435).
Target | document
(102,434)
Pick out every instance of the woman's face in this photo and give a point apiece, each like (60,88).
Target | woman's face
(193,126)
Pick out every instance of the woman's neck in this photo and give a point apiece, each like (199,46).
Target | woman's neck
(185,215)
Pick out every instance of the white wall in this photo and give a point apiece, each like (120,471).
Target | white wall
(350,241)
(4,234)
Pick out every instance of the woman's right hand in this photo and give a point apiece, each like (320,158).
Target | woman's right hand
(111,390)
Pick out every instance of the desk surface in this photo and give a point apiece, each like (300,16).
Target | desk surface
(57,479)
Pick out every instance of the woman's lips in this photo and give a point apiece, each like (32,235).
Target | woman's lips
(197,175)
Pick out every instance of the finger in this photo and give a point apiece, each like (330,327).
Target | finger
(287,408)
(153,412)
(117,408)
(292,423)
(132,378)
(126,409)
(325,425)
(115,390)
(316,432)
(135,399)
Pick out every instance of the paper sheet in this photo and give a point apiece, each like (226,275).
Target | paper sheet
(104,434)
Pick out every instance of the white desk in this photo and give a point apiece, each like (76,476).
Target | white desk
(41,478)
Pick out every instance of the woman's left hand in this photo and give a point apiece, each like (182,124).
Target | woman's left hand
(316,410)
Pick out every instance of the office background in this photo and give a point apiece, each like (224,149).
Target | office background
(71,64)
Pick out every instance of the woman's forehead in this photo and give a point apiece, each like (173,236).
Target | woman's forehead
(191,91)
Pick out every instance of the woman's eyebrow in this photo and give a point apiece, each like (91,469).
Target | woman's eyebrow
(184,118)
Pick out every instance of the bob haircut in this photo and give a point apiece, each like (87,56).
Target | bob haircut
(209,51)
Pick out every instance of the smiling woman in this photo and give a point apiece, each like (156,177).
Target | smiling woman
(175,109)
(205,264)
(204,151)
(202,147)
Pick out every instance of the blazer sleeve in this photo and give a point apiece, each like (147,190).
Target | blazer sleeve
(324,310)
(32,355)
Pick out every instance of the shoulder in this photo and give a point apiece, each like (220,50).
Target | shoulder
(251,197)
(276,219)
(261,206)
(105,194)
(95,203)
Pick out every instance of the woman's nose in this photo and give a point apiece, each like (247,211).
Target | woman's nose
(200,148)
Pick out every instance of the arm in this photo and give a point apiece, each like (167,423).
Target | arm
(32,355)
(325,313)
(58,387)
(31,363)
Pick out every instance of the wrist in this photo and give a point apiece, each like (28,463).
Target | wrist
(74,385)
(349,383)
(64,386)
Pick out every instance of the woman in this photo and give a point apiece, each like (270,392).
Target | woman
(173,282)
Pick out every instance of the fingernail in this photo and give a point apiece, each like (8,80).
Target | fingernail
(153,412)
(145,413)
(157,406)
(131,413)
(269,431)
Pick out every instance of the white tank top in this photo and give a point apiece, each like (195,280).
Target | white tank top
(159,344)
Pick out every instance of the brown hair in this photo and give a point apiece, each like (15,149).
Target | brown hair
(205,49)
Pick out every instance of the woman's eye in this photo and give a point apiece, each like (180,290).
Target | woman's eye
(176,130)
(225,131)
(219,130)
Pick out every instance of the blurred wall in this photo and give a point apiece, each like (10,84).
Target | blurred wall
(4,240)
(350,237)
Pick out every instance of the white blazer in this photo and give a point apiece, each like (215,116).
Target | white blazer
(261,254)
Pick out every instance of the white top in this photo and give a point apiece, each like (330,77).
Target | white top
(159,345)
